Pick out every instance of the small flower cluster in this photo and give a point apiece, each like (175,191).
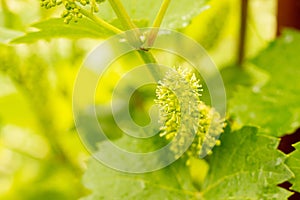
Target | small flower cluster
(72,11)
(182,111)
(50,3)
(72,7)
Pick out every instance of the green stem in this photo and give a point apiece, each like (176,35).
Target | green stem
(122,14)
(157,22)
(161,13)
(243,32)
(149,59)
(127,23)
(100,21)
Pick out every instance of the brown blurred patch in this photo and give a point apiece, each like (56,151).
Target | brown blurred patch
(288,15)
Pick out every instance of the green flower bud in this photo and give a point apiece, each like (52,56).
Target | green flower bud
(58,2)
(83,2)
(68,19)
(76,10)
(72,7)
(96,8)
(65,13)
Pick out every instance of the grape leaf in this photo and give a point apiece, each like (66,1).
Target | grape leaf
(56,28)
(293,162)
(234,77)
(213,21)
(246,166)
(142,13)
(169,183)
(273,106)
(179,14)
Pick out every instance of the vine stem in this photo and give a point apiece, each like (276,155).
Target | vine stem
(243,32)
(161,13)
(100,21)
(127,23)
(148,58)
(122,14)
(157,22)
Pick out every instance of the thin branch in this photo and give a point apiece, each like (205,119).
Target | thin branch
(122,14)
(243,32)
(149,59)
(157,22)
(134,38)
(161,13)
(100,21)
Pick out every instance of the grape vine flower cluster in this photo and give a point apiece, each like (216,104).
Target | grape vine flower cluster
(72,7)
(207,120)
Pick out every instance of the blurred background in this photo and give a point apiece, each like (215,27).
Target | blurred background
(41,156)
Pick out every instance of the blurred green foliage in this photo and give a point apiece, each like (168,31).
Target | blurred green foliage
(40,152)
(41,156)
